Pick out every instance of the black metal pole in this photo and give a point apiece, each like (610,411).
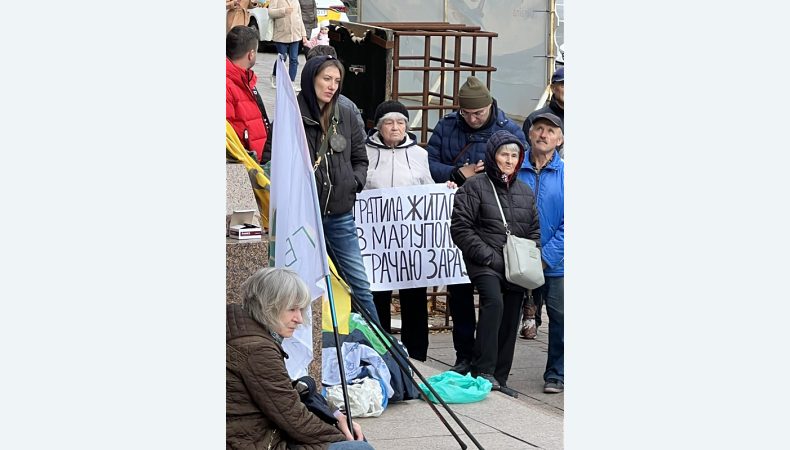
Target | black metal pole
(374,325)
(343,382)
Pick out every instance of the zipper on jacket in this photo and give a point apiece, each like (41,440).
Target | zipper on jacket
(392,175)
(329,181)
(510,203)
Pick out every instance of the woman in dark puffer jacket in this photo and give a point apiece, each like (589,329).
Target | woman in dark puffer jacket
(477,229)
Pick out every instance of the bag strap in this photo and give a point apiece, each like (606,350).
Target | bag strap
(325,143)
(463,150)
(496,196)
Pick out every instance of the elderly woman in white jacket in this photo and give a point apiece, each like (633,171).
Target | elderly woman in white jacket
(394,160)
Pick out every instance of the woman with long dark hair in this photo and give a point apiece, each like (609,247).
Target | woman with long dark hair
(337,149)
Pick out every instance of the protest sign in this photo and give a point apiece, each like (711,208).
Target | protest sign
(404,236)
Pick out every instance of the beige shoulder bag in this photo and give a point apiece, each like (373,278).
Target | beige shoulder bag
(523,265)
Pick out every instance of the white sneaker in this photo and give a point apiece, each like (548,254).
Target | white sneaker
(274,82)
(296,86)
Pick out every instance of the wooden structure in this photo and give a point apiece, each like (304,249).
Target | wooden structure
(374,59)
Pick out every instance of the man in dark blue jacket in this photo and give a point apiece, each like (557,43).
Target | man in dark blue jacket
(456,151)
(544,171)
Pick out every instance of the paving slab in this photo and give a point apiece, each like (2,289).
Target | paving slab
(497,422)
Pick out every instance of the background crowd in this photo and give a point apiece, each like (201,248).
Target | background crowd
(510,180)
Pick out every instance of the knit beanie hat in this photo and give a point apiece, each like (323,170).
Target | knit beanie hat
(387,107)
(474,95)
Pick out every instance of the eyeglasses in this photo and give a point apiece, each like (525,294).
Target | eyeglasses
(476,114)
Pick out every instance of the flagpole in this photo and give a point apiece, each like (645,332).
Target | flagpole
(286,102)
(339,354)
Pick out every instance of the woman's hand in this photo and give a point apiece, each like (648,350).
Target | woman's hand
(451,185)
(469,170)
(304,40)
(342,425)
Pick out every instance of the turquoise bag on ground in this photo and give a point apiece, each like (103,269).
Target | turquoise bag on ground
(456,388)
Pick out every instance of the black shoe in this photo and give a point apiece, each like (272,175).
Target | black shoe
(553,386)
(495,386)
(463,367)
(507,391)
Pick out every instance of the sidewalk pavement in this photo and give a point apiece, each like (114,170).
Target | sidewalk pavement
(263,69)
(500,422)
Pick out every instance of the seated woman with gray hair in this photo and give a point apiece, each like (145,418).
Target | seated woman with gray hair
(263,408)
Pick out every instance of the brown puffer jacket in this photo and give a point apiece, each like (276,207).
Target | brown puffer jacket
(263,410)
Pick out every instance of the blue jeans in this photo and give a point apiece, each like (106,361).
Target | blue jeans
(553,293)
(350,445)
(288,50)
(342,243)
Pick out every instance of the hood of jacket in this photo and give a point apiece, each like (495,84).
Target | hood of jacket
(493,171)
(309,73)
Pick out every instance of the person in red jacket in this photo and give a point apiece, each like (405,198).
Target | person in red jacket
(244,108)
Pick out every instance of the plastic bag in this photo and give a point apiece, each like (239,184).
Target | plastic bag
(365,397)
(268,33)
(456,388)
(356,322)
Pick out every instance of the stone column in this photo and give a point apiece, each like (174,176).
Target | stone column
(244,257)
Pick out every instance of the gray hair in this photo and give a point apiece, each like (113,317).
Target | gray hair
(271,291)
(391,115)
(510,146)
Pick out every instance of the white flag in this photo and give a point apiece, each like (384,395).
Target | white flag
(296,226)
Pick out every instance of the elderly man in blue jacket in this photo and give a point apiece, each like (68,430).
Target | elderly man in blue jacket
(456,151)
(544,171)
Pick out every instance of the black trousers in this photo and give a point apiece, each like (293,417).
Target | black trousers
(461,301)
(537,300)
(497,327)
(414,318)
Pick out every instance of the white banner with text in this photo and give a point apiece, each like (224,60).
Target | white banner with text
(404,236)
